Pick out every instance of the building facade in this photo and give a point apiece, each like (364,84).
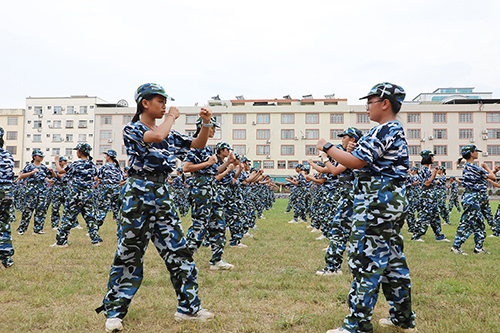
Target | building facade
(12,121)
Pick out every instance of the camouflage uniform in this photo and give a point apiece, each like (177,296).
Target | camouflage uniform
(108,197)
(80,200)
(60,192)
(181,194)
(6,178)
(206,209)
(412,199)
(148,212)
(454,197)
(36,198)
(441,199)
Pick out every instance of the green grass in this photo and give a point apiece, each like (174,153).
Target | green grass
(272,288)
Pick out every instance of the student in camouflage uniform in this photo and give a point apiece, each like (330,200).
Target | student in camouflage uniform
(6,179)
(181,197)
(37,180)
(475,187)
(380,162)
(441,189)
(109,177)
(207,212)
(429,213)
(59,194)
(81,175)
(412,197)
(148,211)
(454,182)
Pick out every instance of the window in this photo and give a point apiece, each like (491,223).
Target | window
(190,132)
(465,117)
(312,118)
(12,120)
(336,118)
(465,133)
(104,148)
(122,163)
(217,134)
(448,165)
(38,110)
(493,133)
(263,118)
(494,150)
(292,164)
(82,124)
(311,150)
(287,150)
(57,138)
(56,151)
(287,134)
(70,110)
(11,149)
(493,117)
(312,134)
(256,164)
(82,137)
(441,150)
(239,149)
(57,124)
(11,135)
(268,165)
(263,134)
(335,132)
(69,123)
(413,150)
(239,118)
(106,135)
(37,124)
(413,118)
(37,138)
(362,118)
(439,117)
(218,118)
(239,134)
(83,109)
(440,134)
(124,150)
(105,120)
(263,150)
(57,109)
(414,134)
(98,163)
(281,165)
(127,119)
(69,137)
(287,118)
(191,118)
(69,152)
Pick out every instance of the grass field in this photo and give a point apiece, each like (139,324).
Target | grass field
(272,288)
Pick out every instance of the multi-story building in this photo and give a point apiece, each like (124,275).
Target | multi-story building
(12,121)
(57,124)
(448,94)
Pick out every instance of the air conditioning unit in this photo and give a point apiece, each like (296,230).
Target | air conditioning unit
(47,149)
(484,132)
(40,116)
(50,125)
(268,142)
(485,153)
(110,140)
(472,140)
(63,108)
(422,140)
(302,137)
(61,139)
(70,157)
(296,138)
(254,123)
(268,156)
(431,137)
(39,129)
(485,137)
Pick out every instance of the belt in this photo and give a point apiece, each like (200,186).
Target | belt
(199,174)
(152,178)
(346,178)
(347,186)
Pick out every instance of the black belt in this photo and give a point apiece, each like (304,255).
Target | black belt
(347,186)
(156,179)
(346,178)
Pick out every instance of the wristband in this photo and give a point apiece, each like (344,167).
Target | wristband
(169,114)
(207,125)
(327,146)
(326,159)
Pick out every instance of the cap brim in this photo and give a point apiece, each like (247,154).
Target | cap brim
(371,94)
(341,135)
(479,150)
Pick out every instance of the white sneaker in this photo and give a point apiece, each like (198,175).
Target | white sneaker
(302,221)
(315,230)
(262,217)
(222,265)
(443,240)
(328,272)
(78,227)
(338,330)
(325,249)
(57,245)
(202,315)
(321,237)
(249,235)
(481,250)
(114,325)
(418,240)
(293,221)
(493,236)
(309,226)
(387,322)
(458,251)
(239,246)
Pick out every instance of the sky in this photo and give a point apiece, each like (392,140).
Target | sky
(259,49)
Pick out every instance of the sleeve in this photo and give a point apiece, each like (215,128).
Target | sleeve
(133,137)
(181,142)
(27,168)
(371,146)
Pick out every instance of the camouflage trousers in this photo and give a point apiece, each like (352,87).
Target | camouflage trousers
(376,254)
(248,214)
(79,201)
(6,248)
(232,212)
(485,207)
(428,214)
(471,220)
(300,208)
(148,213)
(59,195)
(181,200)
(108,198)
(35,201)
(454,202)
(412,204)
(340,231)
(207,214)
(441,203)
